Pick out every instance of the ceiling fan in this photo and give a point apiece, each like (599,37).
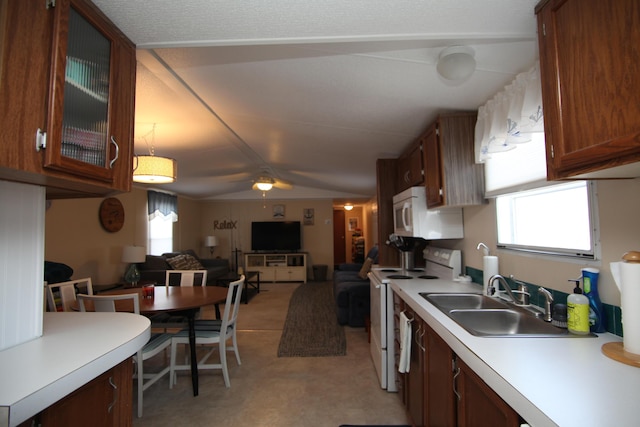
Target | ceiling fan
(265,181)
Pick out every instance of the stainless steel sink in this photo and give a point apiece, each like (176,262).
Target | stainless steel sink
(504,323)
(446,302)
(485,316)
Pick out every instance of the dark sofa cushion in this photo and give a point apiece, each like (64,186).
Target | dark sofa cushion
(154,262)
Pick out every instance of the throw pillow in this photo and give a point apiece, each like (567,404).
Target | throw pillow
(366,266)
(184,262)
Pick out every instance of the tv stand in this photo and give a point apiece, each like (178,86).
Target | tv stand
(278,266)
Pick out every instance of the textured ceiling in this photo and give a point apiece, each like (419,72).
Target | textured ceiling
(315,92)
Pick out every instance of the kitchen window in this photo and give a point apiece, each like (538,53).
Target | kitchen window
(558,220)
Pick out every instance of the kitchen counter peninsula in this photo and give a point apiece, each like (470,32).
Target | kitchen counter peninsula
(548,381)
(74,349)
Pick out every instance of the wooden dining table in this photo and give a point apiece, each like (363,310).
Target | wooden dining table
(185,300)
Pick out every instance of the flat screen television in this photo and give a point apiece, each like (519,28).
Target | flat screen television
(276,236)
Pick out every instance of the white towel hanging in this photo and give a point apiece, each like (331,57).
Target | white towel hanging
(405,343)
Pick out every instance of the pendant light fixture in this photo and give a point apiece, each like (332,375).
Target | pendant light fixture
(154,169)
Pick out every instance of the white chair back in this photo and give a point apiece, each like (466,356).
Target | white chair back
(186,277)
(107,303)
(232,304)
(67,293)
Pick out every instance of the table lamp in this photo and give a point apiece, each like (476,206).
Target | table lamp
(211,242)
(133,255)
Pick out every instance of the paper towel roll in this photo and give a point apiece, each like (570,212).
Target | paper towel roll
(489,268)
(627,277)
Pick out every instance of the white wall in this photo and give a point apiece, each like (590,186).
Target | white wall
(619,206)
(317,239)
(22,262)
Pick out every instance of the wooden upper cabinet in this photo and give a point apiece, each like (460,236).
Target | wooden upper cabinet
(452,178)
(67,99)
(589,63)
(410,168)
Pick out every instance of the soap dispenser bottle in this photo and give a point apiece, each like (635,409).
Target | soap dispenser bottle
(577,311)
(596,310)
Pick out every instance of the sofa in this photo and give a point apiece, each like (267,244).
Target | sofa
(155,267)
(351,290)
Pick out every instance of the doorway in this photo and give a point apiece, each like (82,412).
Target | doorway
(339,236)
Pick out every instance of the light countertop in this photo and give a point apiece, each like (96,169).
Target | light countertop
(548,381)
(74,349)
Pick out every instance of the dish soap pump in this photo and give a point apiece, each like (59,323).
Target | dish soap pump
(577,311)
(596,310)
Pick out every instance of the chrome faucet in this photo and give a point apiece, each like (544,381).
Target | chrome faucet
(547,304)
(491,289)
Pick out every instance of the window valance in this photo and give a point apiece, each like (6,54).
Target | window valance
(162,205)
(510,116)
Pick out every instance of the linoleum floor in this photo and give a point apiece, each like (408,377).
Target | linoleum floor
(276,392)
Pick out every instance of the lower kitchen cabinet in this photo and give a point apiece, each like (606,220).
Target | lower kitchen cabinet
(105,401)
(441,390)
(479,405)
(415,400)
(440,402)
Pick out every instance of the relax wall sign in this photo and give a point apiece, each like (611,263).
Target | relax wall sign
(225,225)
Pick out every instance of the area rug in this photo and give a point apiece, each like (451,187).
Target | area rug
(311,328)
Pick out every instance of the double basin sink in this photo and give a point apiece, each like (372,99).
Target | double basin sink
(485,316)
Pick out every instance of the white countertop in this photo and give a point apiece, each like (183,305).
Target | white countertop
(548,381)
(74,349)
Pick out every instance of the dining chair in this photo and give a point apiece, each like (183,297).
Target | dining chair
(182,278)
(66,293)
(212,334)
(156,344)
(186,278)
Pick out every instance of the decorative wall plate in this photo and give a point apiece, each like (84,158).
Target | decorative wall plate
(111,214)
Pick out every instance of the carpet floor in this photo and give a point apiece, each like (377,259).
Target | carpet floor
(311,328)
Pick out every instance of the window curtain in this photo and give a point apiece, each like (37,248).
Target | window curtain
(162,205)
(509,118)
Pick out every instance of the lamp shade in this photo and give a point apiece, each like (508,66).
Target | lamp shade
(154,170)
(456,63)
(133,254)
(211,241)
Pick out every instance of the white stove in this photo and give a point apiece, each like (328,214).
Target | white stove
(442,264)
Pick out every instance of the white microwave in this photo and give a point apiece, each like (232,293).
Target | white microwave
(411,218)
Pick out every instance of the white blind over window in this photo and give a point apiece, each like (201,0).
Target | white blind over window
(516,170)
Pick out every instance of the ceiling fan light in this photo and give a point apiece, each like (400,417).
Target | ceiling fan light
(456,63)
(154,170)
(264,186)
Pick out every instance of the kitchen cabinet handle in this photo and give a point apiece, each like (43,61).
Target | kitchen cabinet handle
(113,141)
(115,395)
(455,391)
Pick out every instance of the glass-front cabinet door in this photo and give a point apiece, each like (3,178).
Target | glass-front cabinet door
(82,138)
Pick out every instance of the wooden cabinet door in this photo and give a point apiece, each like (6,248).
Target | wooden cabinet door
(441,401)
(86,135)
(410,169)
(433,167)
(33,66)
(416,376)
(480,406)
(105,401)
(589,65)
